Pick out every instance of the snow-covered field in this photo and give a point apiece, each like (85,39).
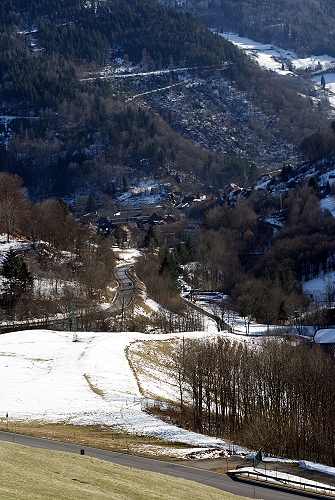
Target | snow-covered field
(330,80)
(326,336)
(320,287)
(272,57)
(48,377)
(287,63)
(51,378)
(267,56)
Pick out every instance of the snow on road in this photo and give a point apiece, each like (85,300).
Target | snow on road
(49,377)
(111,72)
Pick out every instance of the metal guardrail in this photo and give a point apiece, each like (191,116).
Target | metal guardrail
(274,480)
(220,323)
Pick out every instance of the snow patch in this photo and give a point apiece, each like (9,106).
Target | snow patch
(322,286)
(89,382)
(324,469)
(328,203)
(282,478)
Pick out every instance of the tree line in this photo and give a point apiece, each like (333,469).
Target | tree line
(56,265)
(277,397)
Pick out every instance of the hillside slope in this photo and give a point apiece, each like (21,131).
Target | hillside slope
(31,474)
(64,134)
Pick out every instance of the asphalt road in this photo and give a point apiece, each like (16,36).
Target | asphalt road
(125,291)
(207,478)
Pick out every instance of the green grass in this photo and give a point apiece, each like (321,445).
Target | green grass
(33,474)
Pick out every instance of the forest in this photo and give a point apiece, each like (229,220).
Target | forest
(276,397)
(51,264)
(67,139)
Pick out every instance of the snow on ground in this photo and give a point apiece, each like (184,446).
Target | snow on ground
(50,378)
(324,469)
(330,80)
(330,86)
(282,478)
(327,177)
(213,303)
(5,248)
(272,57)
(322,286)
(328,203)
(181,453)
(13,244)
(146,192)
(154,306)
(279,460)
(50,287)
(286,62)
(141,200)
(239,325)
(268,56)
(210,297)
(326,336)
(127,255)
(314,63)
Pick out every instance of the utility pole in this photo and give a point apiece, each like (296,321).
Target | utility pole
(122,314)
(72,319)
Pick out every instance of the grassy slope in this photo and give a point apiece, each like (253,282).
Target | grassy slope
(95,436)
(28,473)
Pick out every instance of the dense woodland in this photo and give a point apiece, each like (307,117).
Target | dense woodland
(54,265)
(73,33)
(73,142)
(101,147)
(278,397)
(82,135)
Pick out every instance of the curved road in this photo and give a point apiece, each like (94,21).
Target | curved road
(126,290)
(207,478)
